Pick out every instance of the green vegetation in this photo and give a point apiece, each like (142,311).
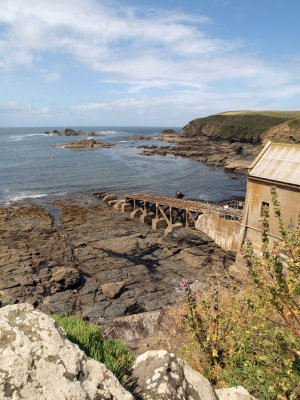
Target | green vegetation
(266,113)
(245,126)
(111,352)
(275,284)
(251,337)
(293,122)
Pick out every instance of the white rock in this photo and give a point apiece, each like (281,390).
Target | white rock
(234,393)
(171,378)
(39,362)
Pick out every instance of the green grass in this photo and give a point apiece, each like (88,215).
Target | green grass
(245,126)
(266,113)
(111,352)
(293,122)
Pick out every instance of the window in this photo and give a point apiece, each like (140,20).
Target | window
(265,206)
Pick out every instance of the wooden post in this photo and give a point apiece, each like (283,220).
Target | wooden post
(186,218)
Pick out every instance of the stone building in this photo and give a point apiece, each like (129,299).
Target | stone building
(277,165)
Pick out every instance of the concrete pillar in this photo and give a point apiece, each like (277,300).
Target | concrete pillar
(111,203)
(159,223)
(118,204)
(136,213)
(170,228)
(126,207)
(109,197)
(146,218)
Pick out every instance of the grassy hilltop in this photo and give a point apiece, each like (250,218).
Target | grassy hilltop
(244,126)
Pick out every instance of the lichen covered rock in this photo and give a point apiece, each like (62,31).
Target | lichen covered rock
(162,376)
(37,361)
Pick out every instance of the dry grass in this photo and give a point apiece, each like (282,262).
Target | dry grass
(266,113)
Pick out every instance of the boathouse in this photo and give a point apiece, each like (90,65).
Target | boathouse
(277,165)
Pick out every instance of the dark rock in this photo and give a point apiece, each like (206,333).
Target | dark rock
(167,131)
(86,143)
(140,137)
(61,268)
(64,278)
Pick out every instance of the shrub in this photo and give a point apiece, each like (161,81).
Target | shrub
(233,343)
(111,352)
(277,281)
(251,338)
(293,122)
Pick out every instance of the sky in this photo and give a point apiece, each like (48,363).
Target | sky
(145,63)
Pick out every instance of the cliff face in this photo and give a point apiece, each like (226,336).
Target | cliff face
(287,132)
(246,128)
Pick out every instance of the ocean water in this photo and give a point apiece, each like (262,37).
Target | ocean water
(28,172)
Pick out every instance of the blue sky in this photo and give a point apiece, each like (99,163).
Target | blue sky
(151,63)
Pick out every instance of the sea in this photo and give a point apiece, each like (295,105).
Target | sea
(32,169)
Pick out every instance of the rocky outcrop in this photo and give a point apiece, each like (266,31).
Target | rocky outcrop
(161,375)
(170,136)
(243,128)
(230,140)
(71,132)
(233,156)
(85,144)
(288,132)
(168,131)
(39,362)
(140,137)
(60,265)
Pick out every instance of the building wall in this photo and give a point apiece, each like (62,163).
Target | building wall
(258,192)
(224,232)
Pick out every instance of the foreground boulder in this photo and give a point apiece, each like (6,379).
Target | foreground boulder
(233,393)
(161,375)
(39,362)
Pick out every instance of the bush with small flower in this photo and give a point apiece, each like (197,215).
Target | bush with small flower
(249,337)
(277,281)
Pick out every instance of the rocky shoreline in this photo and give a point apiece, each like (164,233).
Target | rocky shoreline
(233,156)
(94,262)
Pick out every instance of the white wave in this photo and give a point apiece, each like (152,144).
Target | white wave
(24,195)
(105,132)
(16,138)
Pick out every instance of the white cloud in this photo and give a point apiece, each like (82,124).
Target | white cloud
(139,48)
(14,107)
(90,107)
(146,48)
